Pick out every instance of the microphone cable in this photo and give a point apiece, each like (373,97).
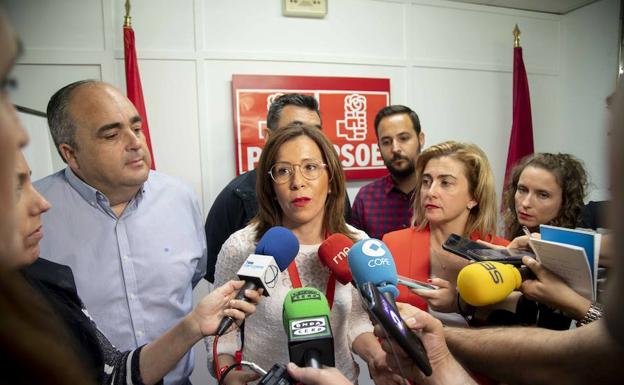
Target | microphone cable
(238,356)
(256,368)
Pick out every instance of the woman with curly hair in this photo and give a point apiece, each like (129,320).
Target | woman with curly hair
(547,189)
(544,189)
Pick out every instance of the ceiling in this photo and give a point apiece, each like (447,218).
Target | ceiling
(549,6)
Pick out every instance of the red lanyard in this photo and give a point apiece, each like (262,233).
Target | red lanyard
(296,281)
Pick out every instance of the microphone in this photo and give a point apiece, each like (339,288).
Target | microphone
(370,260)
(306,321)
(487,283)
(275,251)
(333,254)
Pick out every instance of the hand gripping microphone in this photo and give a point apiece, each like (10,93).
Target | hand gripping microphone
(487,283)
(371,261)
(275,251)
(333,254)
(306,322)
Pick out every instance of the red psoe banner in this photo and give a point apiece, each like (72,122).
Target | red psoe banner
(348,107)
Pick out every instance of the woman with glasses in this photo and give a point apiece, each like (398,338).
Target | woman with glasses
(300,186)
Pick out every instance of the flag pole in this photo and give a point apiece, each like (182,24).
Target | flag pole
(134,90)
(516,34)
(521,136)
(128,18)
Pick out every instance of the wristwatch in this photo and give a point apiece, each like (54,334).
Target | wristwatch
(594,313)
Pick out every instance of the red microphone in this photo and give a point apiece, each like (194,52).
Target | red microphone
(333,254)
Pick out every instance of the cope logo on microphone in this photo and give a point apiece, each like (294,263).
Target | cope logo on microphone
(376,251)
(309,326)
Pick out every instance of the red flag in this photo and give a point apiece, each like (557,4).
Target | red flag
(134,91)
(521,139)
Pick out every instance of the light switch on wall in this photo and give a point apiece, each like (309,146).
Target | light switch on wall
(304,8)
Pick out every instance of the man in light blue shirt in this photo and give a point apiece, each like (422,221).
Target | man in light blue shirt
(134,238)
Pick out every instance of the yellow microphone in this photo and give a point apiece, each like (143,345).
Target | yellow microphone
(487,283)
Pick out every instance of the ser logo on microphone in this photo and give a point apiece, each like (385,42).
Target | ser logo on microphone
(496,275)
(375,250)
(309,326)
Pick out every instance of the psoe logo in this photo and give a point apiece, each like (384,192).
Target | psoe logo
(353,127)
(373,248)
(309,326)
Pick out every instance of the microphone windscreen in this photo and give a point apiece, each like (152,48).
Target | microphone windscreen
(333,254)
(281,244)
(370,260)
(304,302)
(487,283)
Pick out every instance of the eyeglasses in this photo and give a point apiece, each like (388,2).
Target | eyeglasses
(281,172)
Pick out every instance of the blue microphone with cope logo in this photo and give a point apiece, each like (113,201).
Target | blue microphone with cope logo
(370,260)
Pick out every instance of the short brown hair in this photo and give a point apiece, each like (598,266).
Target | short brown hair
(482,217)
(269,211)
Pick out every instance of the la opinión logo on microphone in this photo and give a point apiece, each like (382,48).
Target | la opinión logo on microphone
(254,265)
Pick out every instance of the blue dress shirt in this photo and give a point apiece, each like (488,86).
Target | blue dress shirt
(135,273)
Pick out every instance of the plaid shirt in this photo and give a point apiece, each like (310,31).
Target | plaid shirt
(380,207)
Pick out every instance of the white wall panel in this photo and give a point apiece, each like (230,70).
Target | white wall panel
(361,28)
(475,106)
(58,24)
(40,152)
(38,82)
(158,24)
(170,91)
(481,38)
(589,69)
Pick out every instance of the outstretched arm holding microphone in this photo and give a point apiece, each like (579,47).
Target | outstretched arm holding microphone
(446,370)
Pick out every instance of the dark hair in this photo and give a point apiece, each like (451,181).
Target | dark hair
(571,177)
(36,347)
(61,125)
(282,101)
(395,110)
(269,211)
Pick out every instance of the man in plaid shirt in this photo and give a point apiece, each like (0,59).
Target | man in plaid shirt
(384,205)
